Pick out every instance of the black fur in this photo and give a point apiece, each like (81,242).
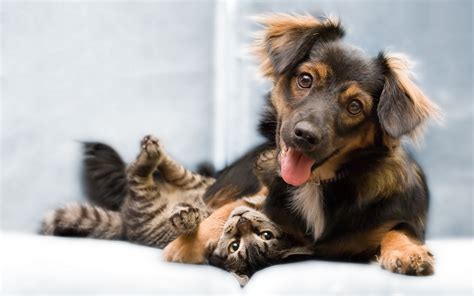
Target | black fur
(239,176)
(268,122)
(103,175)
(206,169)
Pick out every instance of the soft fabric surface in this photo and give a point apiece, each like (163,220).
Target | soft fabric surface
(46,265)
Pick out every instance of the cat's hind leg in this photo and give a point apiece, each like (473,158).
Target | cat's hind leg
(83,220)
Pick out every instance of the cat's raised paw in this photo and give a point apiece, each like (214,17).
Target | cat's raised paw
(185,218)
(152,146)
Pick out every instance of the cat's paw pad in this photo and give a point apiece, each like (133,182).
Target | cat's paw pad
(412,260)
(151,146)
(185,218)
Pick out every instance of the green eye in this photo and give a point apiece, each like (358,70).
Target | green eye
(234,246)
(266,235)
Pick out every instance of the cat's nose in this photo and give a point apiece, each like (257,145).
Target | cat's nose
(243,225)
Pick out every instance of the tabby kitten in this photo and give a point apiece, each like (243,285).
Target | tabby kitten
(250,241)
(154,212)
(170,208)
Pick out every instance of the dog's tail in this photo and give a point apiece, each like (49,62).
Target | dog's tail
(104,177)
(83,220)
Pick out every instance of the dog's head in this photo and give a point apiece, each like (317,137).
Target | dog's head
(331,98)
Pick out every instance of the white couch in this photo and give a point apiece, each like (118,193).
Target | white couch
(34,264)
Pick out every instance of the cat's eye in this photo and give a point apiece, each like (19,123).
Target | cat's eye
(304,80)
(234,246)
(266,235)
(354,107)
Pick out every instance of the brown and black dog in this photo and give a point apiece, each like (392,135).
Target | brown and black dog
(336,117)
(336,172)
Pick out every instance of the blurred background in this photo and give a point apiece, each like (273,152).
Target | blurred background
(115,71)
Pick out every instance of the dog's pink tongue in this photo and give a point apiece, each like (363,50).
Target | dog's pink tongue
(296,167)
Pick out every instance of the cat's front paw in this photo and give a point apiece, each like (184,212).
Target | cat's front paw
(185,218)
(152,147)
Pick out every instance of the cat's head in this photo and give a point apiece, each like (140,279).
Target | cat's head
(250,241)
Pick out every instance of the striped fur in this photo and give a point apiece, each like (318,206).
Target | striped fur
(154,212)
(84,220)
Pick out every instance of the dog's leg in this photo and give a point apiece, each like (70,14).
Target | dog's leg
(400,253)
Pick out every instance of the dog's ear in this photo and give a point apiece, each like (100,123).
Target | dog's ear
(403,107)
(287,39)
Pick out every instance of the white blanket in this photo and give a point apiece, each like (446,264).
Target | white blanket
(33,264)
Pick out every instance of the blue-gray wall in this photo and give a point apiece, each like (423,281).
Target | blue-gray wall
(116,71)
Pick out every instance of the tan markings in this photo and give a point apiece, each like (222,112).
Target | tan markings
(224,196)
(257,200)
(278,98)
(400,65)
(356,243)
(276,35)
(355,92)
(193,248)
(281,31)
(393,174)
(401,253)
(320,71)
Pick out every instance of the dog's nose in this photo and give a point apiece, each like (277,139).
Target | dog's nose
(243,225)
(306,134)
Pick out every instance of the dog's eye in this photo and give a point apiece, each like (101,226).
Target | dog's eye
(305,80)
(234,246)
(354,107)
(266,235)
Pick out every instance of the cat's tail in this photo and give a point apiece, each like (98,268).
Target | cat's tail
(83,220)
(104,176)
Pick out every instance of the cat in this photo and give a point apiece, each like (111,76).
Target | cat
(164,208)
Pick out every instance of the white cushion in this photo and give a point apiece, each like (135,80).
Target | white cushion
(47,265)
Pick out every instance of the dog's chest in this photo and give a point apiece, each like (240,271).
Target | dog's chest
(307,200)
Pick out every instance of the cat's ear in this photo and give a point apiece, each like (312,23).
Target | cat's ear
(241,278)
(295,251)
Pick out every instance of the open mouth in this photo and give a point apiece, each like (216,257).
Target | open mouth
(296,167)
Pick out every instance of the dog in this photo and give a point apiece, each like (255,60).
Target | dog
(335,119)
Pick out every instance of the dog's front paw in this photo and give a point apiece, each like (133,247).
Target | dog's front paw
(185,249)
(409,260)
(185,218)
(152,147)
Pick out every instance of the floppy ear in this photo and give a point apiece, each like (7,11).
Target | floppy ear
(287,39)
(403,107)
